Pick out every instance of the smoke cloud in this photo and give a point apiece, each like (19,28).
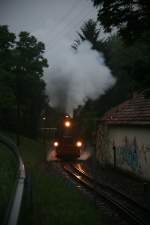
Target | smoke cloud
(75,76)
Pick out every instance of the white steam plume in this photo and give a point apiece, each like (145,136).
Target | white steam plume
(76,76)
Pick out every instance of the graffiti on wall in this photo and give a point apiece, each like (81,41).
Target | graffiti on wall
(128,154)
(131,154)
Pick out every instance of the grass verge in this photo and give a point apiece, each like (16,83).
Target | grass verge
(48,199)
(8,171)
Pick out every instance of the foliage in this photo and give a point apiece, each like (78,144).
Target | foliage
(22,90)
(8,172)
(131,17)
(7,41)
(128,63)
(89,32)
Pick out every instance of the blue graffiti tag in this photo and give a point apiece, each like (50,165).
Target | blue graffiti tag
(128,154)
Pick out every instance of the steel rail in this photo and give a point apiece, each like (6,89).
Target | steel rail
(125,211)
(112,189)
(14,205)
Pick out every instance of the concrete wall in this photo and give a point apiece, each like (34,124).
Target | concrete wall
(126,147)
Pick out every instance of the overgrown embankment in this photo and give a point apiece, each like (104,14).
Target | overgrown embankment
(48,199)
(52,200)
(8,171)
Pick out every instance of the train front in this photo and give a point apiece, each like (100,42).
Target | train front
(68,143)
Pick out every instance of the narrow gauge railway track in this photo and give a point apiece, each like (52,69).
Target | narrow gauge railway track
(112,189)
(127,208)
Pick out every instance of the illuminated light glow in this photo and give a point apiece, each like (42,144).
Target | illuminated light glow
(79,177)
(79,167)
(56,144)
(79,143)
(67,124)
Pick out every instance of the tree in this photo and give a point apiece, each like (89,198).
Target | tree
(131,17)
(87,114)
(22,89)
(7,42)
(28,69)
(7,96)
(129,61)
(89,32)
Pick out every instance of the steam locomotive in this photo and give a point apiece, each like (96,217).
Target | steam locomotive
(67,142)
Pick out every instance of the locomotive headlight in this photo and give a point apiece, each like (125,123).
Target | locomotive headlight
(79,144)
(67,124)
(56,144)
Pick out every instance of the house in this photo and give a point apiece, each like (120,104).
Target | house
(123,136)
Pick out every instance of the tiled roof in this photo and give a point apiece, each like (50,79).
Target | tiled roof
(132,111)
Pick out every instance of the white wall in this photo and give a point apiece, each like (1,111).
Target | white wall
(132,145)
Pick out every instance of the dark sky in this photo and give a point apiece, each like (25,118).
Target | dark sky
(48,20)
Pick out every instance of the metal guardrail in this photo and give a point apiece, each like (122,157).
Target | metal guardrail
(14,205)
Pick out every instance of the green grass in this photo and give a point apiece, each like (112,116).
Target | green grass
(53,200)
(8,170)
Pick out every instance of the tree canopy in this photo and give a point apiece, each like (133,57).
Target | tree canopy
(130,17)
(22,90)
(89,32)
(129,63)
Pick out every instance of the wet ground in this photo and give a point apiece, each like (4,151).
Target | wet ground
(101,207)
(134,187)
